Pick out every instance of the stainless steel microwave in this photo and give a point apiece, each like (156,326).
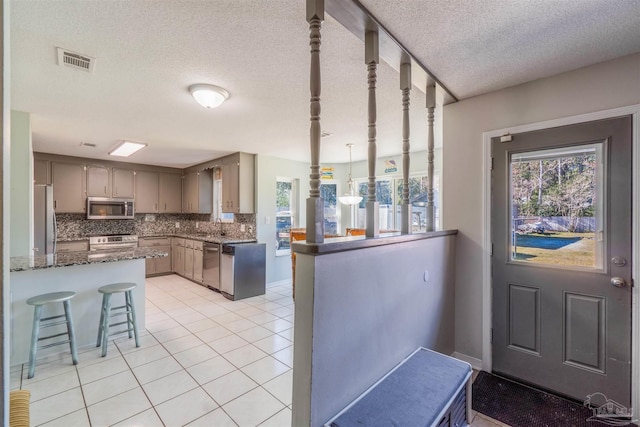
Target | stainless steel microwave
(108,208)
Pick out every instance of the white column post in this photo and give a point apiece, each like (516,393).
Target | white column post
(315,204)
(431,106)
(405,207)
(372,58)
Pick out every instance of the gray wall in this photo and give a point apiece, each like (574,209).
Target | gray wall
(360,312)
(599,87)
(21,184)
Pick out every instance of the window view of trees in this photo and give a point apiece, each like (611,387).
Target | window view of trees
(558,187)
(556,206)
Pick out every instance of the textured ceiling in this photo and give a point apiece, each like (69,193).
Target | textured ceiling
(478,46)
(149,52)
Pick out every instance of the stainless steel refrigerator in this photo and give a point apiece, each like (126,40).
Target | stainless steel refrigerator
(44,220)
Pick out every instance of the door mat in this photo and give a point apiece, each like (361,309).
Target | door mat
(522,406)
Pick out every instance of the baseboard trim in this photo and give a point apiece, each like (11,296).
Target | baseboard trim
(475,363)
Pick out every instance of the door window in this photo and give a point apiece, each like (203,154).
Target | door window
(556,207)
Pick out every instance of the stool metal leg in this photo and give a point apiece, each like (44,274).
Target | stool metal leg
(133,317)
(127,309)
(71,331)
(105,323)
(37,313)
(99,340)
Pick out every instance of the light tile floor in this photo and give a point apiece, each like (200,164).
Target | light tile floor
(203,361)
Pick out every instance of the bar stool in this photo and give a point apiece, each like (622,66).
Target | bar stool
(105,313)
(38,302)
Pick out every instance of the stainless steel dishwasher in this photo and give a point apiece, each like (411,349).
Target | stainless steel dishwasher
(242,270)
(211,266)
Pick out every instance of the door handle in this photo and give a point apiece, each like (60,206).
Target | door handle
(618,282)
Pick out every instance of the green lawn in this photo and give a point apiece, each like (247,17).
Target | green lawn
(558,248)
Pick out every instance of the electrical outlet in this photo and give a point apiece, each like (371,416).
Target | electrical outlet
(242,228)
(177,225)
(250,229)
(197,224)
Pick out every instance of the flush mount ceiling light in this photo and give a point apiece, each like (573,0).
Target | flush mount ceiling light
(126,148)
(350,198)
(209,96)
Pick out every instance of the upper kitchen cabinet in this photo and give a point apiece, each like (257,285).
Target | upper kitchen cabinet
(123,183)
(197,192)
(41,172)
(238,183)
(68,187)
(146,190)
(170,193)
(98,181)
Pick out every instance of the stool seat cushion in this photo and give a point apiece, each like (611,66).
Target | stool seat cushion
(49,298)
(116,287)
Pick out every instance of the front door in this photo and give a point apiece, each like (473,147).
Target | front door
(561,264)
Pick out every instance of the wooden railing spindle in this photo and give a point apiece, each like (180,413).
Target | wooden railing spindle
(405,207)
(371,59)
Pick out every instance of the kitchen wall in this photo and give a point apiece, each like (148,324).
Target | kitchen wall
(599,87)
(76,226)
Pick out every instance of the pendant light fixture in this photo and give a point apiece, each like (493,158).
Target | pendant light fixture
(350,198)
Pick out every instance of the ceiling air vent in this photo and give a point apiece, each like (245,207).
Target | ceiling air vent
(76,60)
(325,134)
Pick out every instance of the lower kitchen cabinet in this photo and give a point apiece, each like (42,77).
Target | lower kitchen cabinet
(155,266)
(188,258)
(178,255)
(197,262)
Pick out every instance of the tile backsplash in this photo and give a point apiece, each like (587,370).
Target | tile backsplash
(77,226)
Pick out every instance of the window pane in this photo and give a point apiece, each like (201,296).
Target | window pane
(384,197)
(556,214)
(283,214)
(329,192)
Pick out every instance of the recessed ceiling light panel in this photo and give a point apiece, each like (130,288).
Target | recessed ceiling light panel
(126,148)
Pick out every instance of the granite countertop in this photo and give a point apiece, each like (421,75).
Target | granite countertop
(66,259)
(209,238)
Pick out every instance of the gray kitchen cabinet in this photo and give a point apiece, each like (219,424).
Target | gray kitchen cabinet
(98,181)
(238,183)
(41,172)
(197,262)
(68,181)
(146,190)
(188,259)
(197,192)
(178,256)
(123,183)
(170,193)
(155,266)
(72,246)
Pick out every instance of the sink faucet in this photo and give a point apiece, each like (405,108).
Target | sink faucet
(220,229)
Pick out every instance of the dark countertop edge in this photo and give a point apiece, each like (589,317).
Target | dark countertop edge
(342,244)
(69,259)
(216,239)
(221,240)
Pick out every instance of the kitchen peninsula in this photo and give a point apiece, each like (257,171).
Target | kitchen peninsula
(82,272)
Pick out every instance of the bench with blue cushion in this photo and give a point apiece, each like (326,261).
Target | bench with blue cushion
(425,389)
